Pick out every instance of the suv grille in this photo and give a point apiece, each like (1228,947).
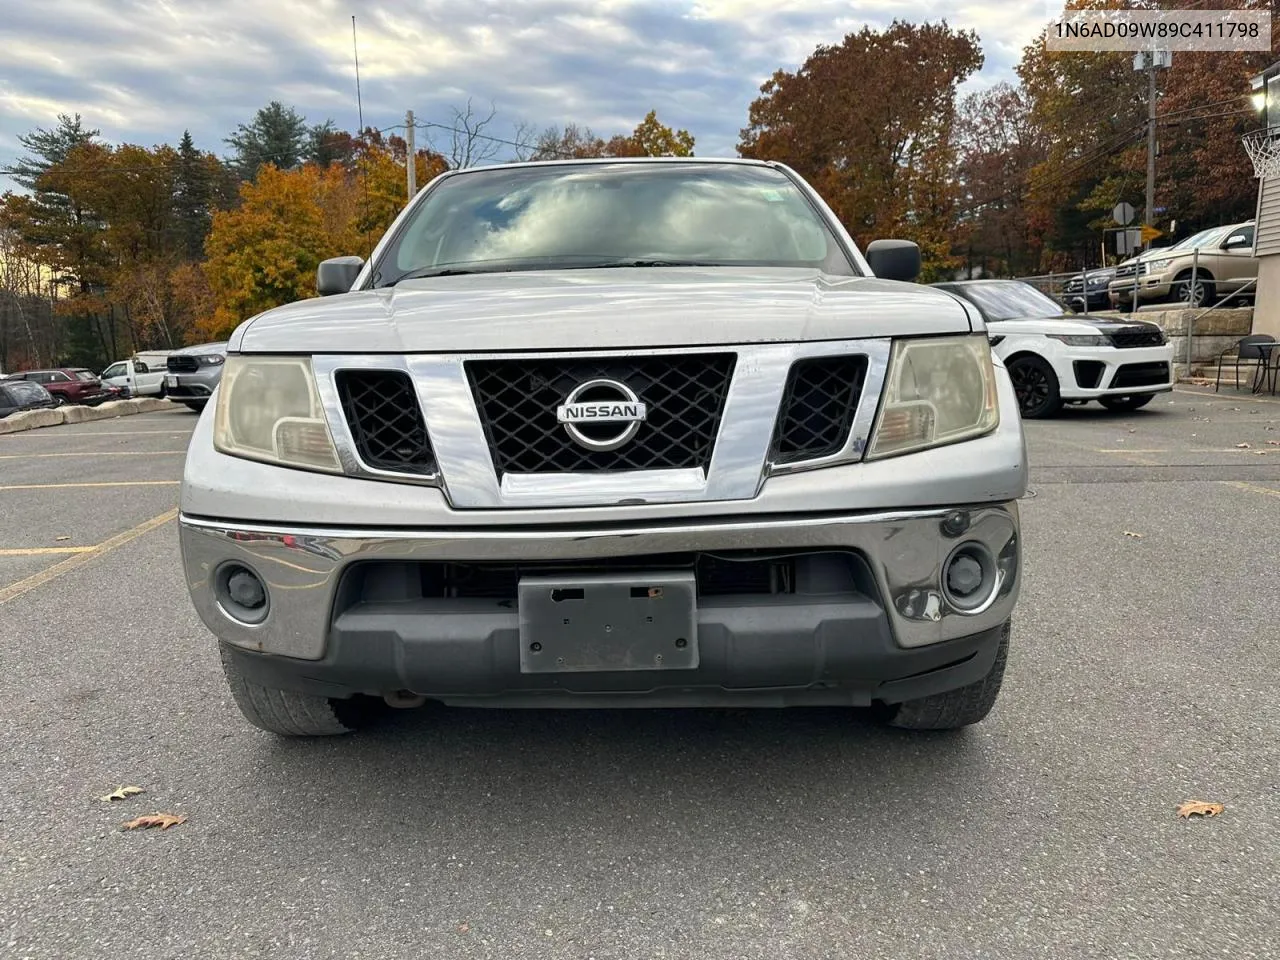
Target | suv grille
(818,406)
(1128,270)
(685,395)
(182,364)
(1137,337)
(386,421)
(1140,375)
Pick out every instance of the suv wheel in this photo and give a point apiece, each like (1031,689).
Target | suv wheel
(286,712)
(955,708)
(1036,386)
(1189,294)
(1124,404)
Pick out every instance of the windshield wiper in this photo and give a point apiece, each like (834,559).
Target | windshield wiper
(642,262)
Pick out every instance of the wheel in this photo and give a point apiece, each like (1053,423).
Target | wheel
(287,712)
(1192,295)
(1036,386)
(956,708)
(1134,401)
(196,405)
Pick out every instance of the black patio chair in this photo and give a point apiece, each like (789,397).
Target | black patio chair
(1247,349)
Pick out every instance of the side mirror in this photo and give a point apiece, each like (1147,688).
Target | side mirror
(336,275)
(1236,240)
(894,259)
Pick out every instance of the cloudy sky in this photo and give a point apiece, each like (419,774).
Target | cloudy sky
(143,70)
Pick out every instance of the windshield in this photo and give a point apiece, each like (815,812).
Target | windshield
(1010,300)
(578,216)
(22,392)
(1202,239)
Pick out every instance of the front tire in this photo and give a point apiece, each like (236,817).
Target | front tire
(1192,296)
(1125,404)
(286,712)
(197,405)
(1036,385)
(956,708)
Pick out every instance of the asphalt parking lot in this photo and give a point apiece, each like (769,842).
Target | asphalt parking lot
(1144,674)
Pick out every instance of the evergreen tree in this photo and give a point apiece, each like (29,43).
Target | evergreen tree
(192,197)
(277,135)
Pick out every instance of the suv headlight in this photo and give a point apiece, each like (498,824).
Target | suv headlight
(1155,266)
(269,409)
(1080,339)
(938,390)
(210,360)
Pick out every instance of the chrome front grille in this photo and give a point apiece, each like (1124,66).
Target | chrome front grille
(488,429)
(517,400)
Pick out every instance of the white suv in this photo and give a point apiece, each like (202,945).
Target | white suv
(1055,357)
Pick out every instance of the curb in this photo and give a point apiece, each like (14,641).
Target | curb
(34,419)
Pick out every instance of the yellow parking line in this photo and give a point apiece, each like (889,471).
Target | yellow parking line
(41,551)
(91,453)
(1251,487)
(99,483)
(22,587)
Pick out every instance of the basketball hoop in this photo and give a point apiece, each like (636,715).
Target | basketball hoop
(1263,148)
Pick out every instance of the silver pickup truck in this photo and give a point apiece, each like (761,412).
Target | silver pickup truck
(610,433)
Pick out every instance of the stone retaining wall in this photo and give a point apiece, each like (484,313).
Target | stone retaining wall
(33,419)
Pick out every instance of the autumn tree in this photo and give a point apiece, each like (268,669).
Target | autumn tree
(265,252)
(869,122)
(997,146)
(568,143)
(650,138)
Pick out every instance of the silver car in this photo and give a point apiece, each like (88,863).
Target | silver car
(193,373)
(645,432)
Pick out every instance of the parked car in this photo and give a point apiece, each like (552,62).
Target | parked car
(786,477)
(1055,358)
(136,377)
(1089,288)
(1223,265)
(193,372)
(70,384)
(18,396)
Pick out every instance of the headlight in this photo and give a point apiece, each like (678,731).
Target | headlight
(212,360)
(1155,266)
(1079,339)
(269,409)
(938,390)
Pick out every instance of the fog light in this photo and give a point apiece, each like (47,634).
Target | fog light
(241,593)
(964,576)
(969,577)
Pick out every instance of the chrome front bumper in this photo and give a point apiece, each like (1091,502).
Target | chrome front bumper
(302,566)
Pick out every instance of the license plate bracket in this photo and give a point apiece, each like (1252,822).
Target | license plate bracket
(592,623)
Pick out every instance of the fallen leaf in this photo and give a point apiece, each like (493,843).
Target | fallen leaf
(62,538)
(1198,808)
(464,927)
(120,793)
(162,820)
(1273,443)
(1130,533)
(1133,431)
(1242,446)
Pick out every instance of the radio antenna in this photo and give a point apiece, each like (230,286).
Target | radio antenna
(355,49)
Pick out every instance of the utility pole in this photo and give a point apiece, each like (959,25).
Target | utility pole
(1149,212)
(410,159)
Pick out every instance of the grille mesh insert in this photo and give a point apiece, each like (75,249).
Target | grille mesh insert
(386,421)
(685,396)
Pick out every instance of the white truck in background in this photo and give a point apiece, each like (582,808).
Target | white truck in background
(142,375)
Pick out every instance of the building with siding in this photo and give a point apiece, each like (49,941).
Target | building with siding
(1266,237)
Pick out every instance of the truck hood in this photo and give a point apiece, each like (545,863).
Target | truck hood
(602,309)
